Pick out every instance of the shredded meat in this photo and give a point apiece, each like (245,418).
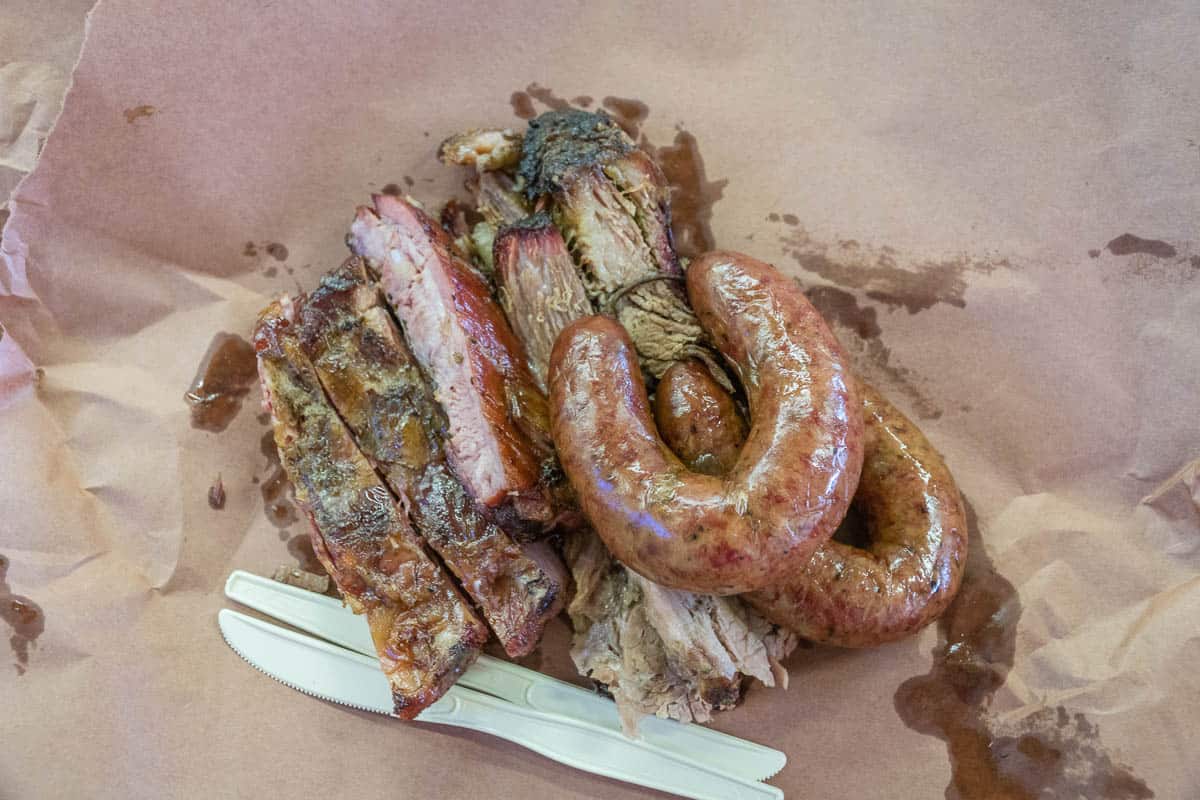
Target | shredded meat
(658,651)
(485,149)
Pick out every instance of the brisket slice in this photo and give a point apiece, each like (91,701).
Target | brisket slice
(612,203)
(380,392)
(424,631)
(537,276)
(498,441)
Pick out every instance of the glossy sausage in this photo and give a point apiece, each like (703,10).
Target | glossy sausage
(793,478)
(910,570)
(698,419)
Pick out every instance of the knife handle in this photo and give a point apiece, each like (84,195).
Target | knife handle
(591,748)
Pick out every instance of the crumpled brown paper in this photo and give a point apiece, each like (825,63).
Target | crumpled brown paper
(984,151)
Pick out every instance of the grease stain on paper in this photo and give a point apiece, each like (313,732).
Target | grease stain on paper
(1152,260)
(1128,244)
(216,495)
(628,112)
(132,115)
(857,328)
(1050,753)
(277,251)
(24,617)
(300,547)
(222,381)
(878,272)
(693,195)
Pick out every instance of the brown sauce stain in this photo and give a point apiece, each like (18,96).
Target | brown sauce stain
(772,217)
(522,105)
(547,97)
(879,275)
(24,617)
(277,251)
(393,189)
(216,495)
(1049,753)
(275,488)
(840,307)
(693,195)
(250,250)
(791,219)
(628,113)
(132,115)
(301,548)
(583,101)
(1093,253)
(1128,244)
(222,381)
(408,180)
(857,328)
(271,272)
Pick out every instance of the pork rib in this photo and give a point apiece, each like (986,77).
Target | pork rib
(378,389)
(425,632)
(498,440)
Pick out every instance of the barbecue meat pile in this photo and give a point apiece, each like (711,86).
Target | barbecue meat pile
(408,396)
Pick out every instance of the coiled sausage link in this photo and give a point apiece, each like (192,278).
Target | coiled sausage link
(848,596)
(793,479)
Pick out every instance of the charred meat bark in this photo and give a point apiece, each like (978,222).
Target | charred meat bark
(539,287)
(424,631)
(612,203)
(497,435)
(378,389)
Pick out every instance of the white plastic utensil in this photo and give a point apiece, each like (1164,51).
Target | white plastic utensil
(339,675)
(328,618)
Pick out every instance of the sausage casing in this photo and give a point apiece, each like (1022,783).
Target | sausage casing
(793,478)
(910,570)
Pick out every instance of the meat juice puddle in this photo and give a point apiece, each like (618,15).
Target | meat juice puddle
(222,381)
(226,374)
(24,617)
(1049,753)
